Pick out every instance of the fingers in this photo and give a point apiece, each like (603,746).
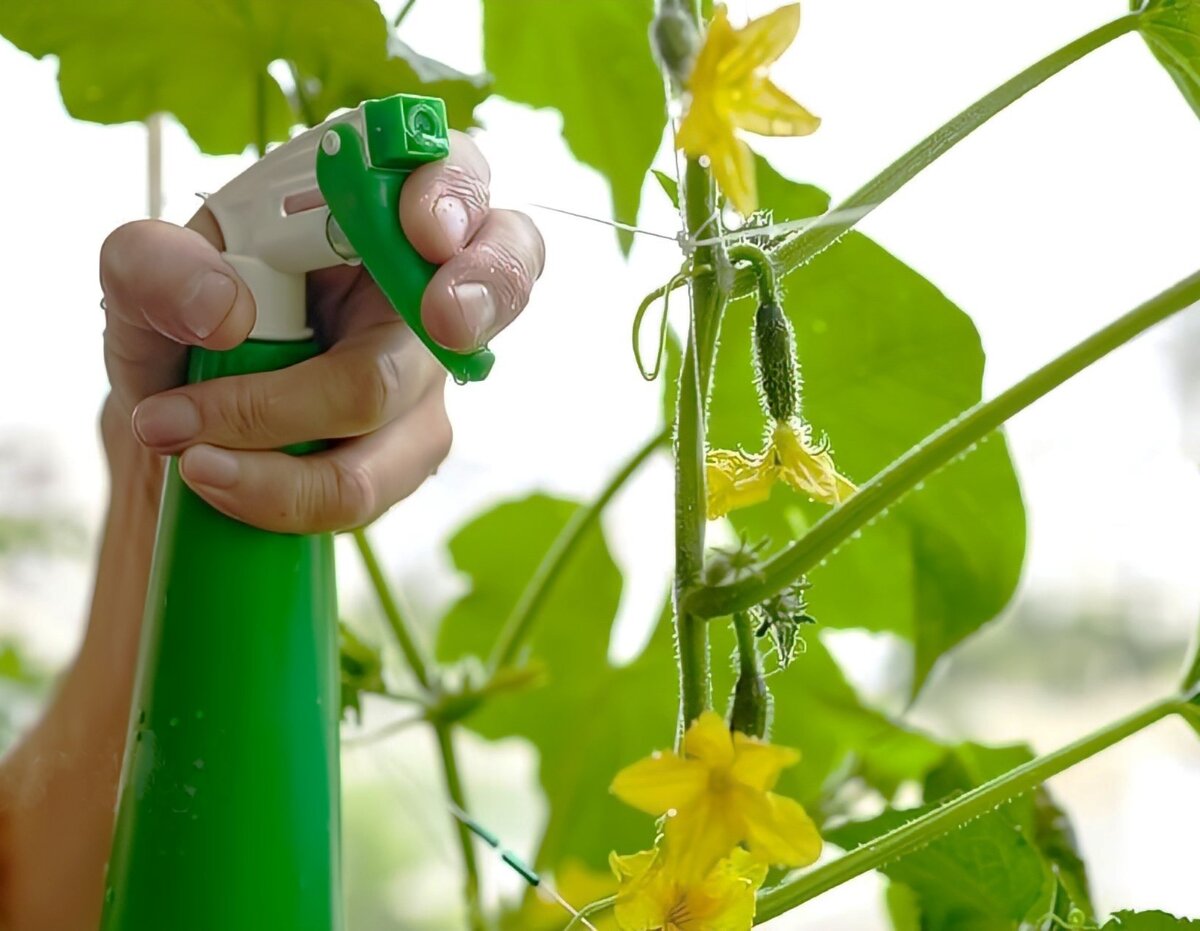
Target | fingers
(367,380)
(165,287)
(443,204)
(344,487)
(479,291)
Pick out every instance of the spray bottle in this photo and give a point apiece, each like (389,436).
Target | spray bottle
(228,808)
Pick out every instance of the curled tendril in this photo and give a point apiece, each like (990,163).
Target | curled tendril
(679,278)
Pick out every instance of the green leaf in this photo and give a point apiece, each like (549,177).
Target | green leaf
(592,63)
(1149,921)
(361,666)
(1044,824)
(588,719)
(1172,30)
(886,359)
(205,61)
(984,875)
(669,185)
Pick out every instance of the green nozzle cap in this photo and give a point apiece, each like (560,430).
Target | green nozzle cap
(404,131)
(361,180)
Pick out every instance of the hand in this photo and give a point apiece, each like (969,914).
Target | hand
(375,390)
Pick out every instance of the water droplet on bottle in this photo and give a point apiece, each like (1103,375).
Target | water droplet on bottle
(199,715)
(199,764)
(174,722)
(110,895)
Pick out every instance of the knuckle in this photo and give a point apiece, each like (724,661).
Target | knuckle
(113,249)
(246,411)
(351,493)
(442,436)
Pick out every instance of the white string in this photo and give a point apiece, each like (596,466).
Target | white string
(803,224)
(612,223)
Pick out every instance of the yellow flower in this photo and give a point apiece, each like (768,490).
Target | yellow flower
(654,898)
(718,795)
(737,479)
(730,91)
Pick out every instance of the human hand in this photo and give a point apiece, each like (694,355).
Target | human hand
(376,391)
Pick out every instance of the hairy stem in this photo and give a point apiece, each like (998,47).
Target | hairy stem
(445,740)
(691,633)
(520,622)
(953,439)
(406,637)
(929,827)
(796,251)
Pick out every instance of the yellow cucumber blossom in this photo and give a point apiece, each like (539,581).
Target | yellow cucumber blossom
(736,479)
(729,90)
(653,897)
(717,795)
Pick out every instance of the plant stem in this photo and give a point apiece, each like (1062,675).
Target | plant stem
(691,633)
(953,439)
(404,11)
(445,740)
(520,622)
(304,107)
(260,114)
(934,824)
(406,637)
(796,251)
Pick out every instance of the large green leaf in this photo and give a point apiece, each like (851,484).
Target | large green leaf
(589,718)
(1172,30)
(1014,858)
(590,61)
(886,359)
(1149,921)
(205,61)
(984,875)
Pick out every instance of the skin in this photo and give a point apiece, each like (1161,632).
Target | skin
(375,390)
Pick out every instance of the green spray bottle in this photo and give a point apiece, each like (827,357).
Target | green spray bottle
(228,810)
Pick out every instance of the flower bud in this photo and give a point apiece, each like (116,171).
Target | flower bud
(675,39)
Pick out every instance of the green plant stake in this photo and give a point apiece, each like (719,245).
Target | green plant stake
(228,815)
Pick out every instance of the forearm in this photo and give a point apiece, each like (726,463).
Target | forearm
(58,787)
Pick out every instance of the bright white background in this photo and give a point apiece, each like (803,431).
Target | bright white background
(1059,215)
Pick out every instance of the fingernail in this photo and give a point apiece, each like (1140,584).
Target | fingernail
(206,302)
(166,421)
(207,465)
(451,214)
(478,308)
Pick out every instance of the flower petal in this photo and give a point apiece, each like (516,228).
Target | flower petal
(645,896)
(757,764)
(709,741)
(778,829)
(725,900)
(806,468)
(732,165)
(697,837)
(735,480)
(660,782)
(768,111)
(719,39)
(759,43)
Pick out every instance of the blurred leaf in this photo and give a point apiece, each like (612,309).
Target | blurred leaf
(984,875)
(903,907)
(39,534)
(591,62)
(361,670)
(16,668)
(206,62)
(886,360)
(1149,921)
(1172,30)
(669,185)
(589,718)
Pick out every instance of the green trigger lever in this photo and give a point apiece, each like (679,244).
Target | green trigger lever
(361,181)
